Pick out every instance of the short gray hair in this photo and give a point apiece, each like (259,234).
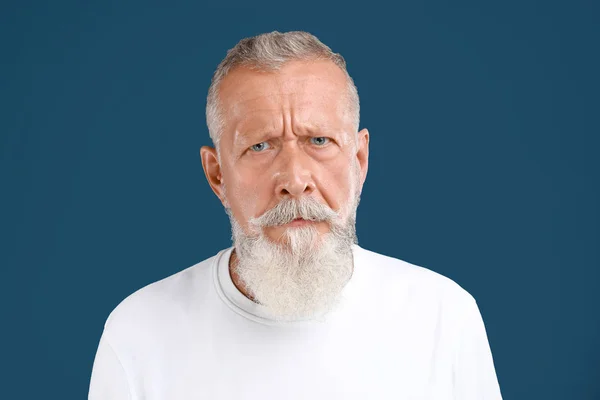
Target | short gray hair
(268,52)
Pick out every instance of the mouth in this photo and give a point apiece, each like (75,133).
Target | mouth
(299,222)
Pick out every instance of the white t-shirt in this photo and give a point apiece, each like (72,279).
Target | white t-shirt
(401,331)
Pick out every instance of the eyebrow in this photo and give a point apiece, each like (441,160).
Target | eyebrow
(256,135)
(251,136)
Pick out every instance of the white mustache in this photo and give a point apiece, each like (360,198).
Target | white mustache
(287,210)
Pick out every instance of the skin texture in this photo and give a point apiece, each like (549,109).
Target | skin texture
(287,134)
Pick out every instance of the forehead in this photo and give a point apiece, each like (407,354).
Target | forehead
(313,92)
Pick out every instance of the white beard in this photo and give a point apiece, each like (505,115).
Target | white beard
(303,276)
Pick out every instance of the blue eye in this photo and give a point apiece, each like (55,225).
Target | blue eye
(259,147)
(322,140)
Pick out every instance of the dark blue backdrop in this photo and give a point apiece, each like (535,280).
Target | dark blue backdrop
(483,167)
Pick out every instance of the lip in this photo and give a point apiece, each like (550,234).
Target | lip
(299,222)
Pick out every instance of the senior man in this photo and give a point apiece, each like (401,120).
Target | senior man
(295,309)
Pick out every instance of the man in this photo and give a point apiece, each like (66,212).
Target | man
(295,309)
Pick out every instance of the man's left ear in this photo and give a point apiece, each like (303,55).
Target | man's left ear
(362,153)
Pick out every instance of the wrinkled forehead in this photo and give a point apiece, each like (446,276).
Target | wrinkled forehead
(312,93)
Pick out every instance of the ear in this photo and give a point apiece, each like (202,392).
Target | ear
(362,153)
(212,170)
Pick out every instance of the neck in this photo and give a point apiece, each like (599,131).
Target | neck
(233,262)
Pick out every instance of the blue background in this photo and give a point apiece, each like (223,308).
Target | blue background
(483,167)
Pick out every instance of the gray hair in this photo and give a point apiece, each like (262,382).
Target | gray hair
(268,52)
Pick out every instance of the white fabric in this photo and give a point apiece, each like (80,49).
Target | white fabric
(401,332)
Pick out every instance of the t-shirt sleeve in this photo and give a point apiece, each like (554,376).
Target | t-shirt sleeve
(474,372)
(109,379)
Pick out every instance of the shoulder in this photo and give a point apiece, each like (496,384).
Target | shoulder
(162,301)
(401,276)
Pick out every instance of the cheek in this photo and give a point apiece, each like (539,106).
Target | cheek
(338,184)
(246,195)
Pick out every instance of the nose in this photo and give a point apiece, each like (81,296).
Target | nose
(294,175)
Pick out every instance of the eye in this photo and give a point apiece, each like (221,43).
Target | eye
(259,147)
(320,140)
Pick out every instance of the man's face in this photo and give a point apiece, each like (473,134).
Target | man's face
(287,134)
